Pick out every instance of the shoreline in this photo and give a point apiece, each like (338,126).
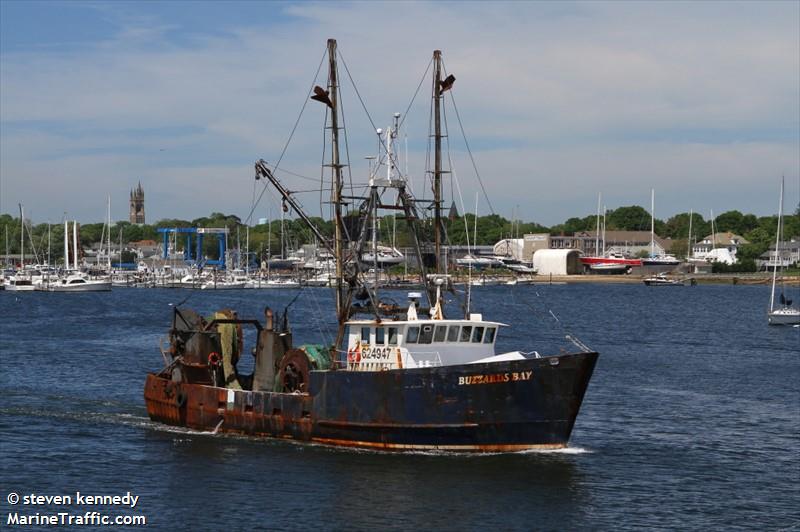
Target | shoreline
(706,278)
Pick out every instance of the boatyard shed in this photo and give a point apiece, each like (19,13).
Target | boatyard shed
(557,261)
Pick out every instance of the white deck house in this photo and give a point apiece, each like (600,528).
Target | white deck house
(419,342)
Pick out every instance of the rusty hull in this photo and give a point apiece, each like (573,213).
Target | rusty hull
(502,406)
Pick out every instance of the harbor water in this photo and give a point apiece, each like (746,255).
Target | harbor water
(691,421)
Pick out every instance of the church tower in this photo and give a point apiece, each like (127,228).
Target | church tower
(137,205)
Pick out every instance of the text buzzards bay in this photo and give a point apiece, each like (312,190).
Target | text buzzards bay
(495,378)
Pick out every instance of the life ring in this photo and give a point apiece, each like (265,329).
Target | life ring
(180,399)
(214,359)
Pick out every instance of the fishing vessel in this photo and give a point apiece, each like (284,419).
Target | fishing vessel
(397,377)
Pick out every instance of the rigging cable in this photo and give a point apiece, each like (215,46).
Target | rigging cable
(421,81)
(568,334)
(466,143)
(361,100)
(291,135)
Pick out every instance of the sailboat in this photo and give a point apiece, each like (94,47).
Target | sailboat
(662,259)
(607,262)
(784,313)
(397,377)
(24,279)
(74,280)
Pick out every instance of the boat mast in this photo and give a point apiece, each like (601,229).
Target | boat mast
(689,239)
(75,243)
(604,230)
(66,243)
(652,222)
(21,238)
(437,168)
(597,231)
(338,244)
(108,236)
(713,232)
(777,251)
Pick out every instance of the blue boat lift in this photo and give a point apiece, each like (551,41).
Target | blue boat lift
(193,250)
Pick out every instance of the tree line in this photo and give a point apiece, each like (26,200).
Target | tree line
(270,238)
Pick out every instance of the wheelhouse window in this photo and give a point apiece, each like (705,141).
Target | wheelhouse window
(392,335)
(488,337)
(440,333)
(412,335)
(365,335)
(477,335)
(452,333)
(380,336)
(426,335)
(466,332)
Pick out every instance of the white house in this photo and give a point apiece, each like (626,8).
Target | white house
(721,247)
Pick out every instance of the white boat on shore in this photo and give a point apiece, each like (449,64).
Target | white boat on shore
(476,261)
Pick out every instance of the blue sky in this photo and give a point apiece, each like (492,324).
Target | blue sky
(560,101)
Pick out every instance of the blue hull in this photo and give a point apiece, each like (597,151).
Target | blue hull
(499,406)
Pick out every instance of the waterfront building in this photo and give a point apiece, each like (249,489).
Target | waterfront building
(720,247)
(790,254)
(630,243)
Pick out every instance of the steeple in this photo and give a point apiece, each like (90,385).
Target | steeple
(137,205)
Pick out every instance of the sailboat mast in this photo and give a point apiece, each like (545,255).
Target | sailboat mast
(689,238)
(437,169)
(21,237)
(66,243)
(777,251)
(108,236)
(652,222)
(713,232)
(604,230)
(75,243)
(597,231)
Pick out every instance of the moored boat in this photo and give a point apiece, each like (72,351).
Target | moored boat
(76,282)
(783,313)
(663,280)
